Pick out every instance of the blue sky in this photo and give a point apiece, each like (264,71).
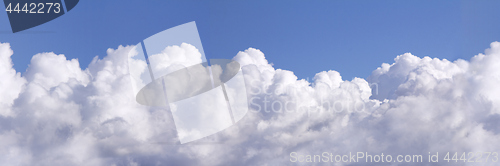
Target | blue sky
(352,37)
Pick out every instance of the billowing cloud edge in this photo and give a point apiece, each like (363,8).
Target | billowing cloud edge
(58,113)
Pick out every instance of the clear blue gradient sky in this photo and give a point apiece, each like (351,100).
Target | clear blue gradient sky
(352,37)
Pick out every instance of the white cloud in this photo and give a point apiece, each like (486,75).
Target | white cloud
(175,57)
(61,114)
(11,83)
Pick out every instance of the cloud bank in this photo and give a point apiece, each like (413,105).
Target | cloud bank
(58,113)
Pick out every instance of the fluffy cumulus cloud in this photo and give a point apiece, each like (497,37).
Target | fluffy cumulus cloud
(58,113)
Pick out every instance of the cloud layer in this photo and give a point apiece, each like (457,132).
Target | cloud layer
(60,114)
